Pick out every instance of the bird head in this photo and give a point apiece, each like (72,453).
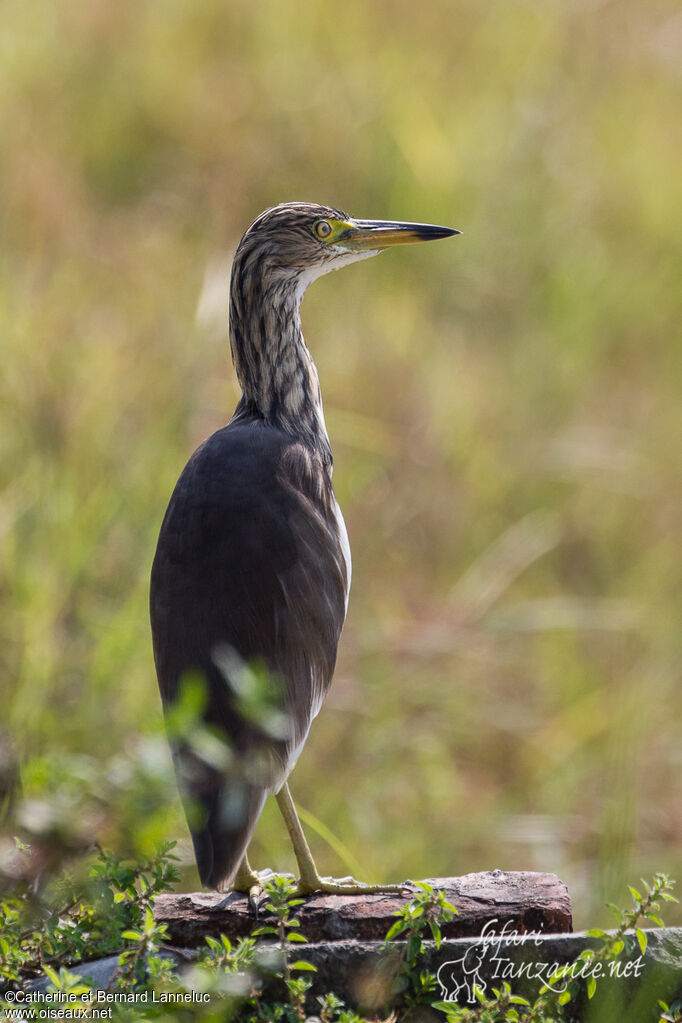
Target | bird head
(297,242)
(283,250)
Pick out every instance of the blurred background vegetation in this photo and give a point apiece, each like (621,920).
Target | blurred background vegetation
(503,410)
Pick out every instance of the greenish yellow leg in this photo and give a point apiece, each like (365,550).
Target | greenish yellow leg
(310,880)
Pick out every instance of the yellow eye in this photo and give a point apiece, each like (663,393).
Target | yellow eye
(323,229)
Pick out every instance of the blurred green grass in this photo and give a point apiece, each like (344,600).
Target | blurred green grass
(504,408)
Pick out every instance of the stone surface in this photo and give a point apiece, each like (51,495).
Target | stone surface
(353,970)
(526,900)
(359,972)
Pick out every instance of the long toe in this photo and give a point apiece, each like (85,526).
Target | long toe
(347,886)
(256,891)
(255,898)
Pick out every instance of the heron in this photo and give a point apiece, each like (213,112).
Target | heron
(251,576)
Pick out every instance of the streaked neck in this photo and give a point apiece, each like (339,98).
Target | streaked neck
(274,367)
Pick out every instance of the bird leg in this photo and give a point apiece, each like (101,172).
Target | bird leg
(310,880)
(246,877)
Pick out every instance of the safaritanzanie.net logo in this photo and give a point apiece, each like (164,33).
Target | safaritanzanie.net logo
(489,955)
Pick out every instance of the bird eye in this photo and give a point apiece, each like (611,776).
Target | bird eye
(323,229)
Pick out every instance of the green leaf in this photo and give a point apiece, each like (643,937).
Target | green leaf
(435,931)
(642,939)
(564,998)
(131,935)
(595,932)
(635,894)
(295,936)
(301,964)
(617,947)
(53,975)
(591,987)
(397,928)
(657,920)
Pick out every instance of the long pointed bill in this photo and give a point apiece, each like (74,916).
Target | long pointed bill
(381,234)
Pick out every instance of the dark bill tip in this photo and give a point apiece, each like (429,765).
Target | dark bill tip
(379,234)
(430,232)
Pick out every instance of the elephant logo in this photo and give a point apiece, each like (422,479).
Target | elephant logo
(463,974)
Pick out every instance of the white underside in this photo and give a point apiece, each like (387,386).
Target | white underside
(345,547)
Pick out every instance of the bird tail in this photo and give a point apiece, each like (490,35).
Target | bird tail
(222,811)
(220,846)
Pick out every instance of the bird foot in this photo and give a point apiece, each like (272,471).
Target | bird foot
(252,883)
(348,886)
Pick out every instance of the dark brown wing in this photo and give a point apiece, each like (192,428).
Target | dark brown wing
(248,591)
